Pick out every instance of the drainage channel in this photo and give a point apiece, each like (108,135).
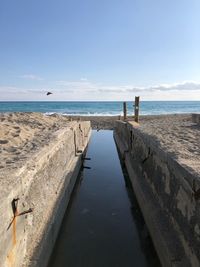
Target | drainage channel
(103,226)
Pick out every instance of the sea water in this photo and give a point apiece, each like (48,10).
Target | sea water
(101,108)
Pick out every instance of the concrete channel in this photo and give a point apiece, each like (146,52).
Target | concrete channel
(103,225)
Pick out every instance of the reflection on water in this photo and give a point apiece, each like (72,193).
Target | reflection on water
(103,226)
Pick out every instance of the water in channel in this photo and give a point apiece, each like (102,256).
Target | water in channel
(103,226)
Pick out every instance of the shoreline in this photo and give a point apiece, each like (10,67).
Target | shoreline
(100,108)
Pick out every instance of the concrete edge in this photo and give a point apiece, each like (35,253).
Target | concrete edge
(43,252)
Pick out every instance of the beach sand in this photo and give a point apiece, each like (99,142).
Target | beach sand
(21,134)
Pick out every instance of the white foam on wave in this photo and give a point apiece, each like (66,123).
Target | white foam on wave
(85,114)
(50,113)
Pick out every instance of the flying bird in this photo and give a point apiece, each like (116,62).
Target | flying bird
(49,93)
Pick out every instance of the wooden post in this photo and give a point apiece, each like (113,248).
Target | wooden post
(125,110)
(137,101)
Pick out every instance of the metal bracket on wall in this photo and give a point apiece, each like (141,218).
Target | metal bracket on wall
(83,158)
(86,167)
(14,205)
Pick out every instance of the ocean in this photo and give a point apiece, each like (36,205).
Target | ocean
(102,108)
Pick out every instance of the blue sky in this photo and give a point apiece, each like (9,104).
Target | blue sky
(99,50)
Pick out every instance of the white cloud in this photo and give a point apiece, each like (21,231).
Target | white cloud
(97,87)
(86,90)
(184,86)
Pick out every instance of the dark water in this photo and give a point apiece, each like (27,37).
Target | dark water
(103,226)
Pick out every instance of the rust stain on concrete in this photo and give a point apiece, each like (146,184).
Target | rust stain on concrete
(11,254)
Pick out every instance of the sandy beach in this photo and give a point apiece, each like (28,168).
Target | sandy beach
(21,134)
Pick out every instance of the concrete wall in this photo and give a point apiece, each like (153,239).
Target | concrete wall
(196,118)
(167,194)
(43,184)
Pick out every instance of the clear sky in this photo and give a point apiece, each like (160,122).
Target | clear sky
(100,49)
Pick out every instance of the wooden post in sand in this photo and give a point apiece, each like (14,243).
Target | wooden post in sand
(125,110)
(137,101)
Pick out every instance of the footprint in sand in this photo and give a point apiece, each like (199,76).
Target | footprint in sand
(2,142)
(11,149)
(15,135)
(9,161)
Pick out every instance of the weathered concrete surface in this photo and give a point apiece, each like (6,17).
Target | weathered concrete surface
(196,118)
(167,193)
(44,183)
